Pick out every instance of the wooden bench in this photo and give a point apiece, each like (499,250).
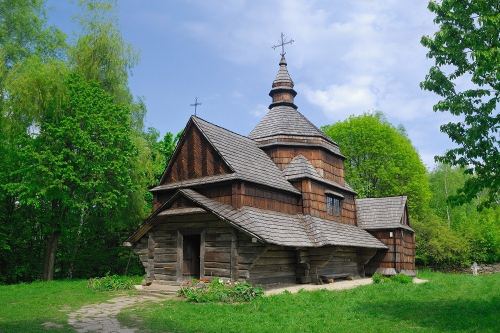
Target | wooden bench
(330,278)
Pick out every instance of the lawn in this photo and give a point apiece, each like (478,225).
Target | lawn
(449,302)
(25,307)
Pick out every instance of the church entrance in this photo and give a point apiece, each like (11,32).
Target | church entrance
(191,256)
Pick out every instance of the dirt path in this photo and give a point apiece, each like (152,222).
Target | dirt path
(102,317)
(341,285)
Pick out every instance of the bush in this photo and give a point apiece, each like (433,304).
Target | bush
(401,278)
(379,278)
(219,291)
(398,278)
(112,282)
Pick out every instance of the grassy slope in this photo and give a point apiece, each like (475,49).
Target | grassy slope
(24,307)
(459,303)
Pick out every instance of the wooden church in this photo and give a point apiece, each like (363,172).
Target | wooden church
(270,207)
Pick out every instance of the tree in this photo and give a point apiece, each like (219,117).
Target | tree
(78,162)
(478,229)
(466,74)
(100,53)
(380,160)
(24,34)
(40,135)
(161,151)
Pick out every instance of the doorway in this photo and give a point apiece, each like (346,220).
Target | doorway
(191,256)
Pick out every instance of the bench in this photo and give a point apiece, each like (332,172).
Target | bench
(330,278)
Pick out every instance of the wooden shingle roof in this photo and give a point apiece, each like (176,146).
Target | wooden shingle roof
(285,120)
(279,228)
(381,213)
(249,162)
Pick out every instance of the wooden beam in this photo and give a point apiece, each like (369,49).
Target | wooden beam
(202,253)
(234,255)
(178,266)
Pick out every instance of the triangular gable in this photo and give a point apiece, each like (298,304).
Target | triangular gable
(194,157)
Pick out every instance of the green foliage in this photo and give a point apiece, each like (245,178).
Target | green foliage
(161,151)
(113,282)
(457,235)
(439,245)
(402,279)
(466,51)
(75,165)
(448,302)
(398,278)
(389,165)
(378,278)
(24,32)
(101,54)
(220,291)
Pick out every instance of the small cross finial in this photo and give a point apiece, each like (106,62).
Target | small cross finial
(195,104)
(282,44)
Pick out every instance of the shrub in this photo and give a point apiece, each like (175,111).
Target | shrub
(379,278)
(219,291)
(401,278)
(112,282)
(398,278)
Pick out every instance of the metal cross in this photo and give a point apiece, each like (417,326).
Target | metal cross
(195,104)
(282,44)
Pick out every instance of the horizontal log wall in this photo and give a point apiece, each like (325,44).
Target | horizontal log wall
(334,260)
(219,192)
(162,262)
(260,197)
(327,164)
(275,264)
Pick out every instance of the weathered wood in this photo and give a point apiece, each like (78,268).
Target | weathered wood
(202,252)
(180,259)
(185,162)
(234,255)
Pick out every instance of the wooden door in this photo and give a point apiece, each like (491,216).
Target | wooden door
(191,256)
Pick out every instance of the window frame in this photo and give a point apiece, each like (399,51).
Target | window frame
(333,204)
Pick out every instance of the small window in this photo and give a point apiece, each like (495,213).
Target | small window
(333,205)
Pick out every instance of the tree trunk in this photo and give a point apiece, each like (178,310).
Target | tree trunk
(50,256)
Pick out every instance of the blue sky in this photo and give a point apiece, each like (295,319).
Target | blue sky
(349,57)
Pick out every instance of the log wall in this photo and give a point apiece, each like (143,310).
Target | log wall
(326,163)
(334,260)
(163,259)
(400,255)
(229,253)
(274,264)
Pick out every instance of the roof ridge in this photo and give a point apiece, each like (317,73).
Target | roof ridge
(386,197)
(196,118)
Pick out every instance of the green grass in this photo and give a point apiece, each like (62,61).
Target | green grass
(449,302)
(25,307)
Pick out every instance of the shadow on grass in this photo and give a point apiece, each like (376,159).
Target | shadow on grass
(32,326)
(456,315)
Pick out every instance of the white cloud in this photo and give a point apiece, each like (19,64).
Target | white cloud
(349,57)
(343,100)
